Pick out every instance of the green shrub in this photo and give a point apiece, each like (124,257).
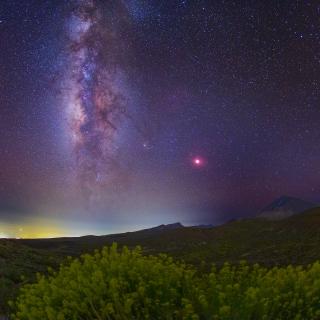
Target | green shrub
(255,292)
(123,284)
(112,285)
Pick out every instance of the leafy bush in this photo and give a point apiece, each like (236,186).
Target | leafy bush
(123,284)
(255,292)
(112,285)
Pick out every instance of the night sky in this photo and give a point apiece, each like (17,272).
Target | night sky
(117,115)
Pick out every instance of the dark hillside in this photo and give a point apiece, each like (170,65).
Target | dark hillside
(295,240)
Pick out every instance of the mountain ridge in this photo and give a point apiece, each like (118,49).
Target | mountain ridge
(284,207)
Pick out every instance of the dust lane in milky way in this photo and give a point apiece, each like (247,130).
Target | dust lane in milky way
(95,100)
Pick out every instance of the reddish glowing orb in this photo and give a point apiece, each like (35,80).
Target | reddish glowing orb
(198,162)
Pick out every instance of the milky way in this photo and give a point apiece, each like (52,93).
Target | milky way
(95,100)
(123,112)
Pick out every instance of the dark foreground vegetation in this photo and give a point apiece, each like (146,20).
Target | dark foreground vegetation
(127,285)
(292,241)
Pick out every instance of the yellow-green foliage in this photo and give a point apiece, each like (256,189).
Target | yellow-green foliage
(245,292)
(115,284)
(111,285)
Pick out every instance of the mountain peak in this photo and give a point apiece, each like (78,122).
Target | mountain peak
(285,206)
(169,226)
(162,227)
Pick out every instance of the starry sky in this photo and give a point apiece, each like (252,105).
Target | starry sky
(121,114)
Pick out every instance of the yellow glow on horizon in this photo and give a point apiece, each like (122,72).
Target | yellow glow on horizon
(32,229)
